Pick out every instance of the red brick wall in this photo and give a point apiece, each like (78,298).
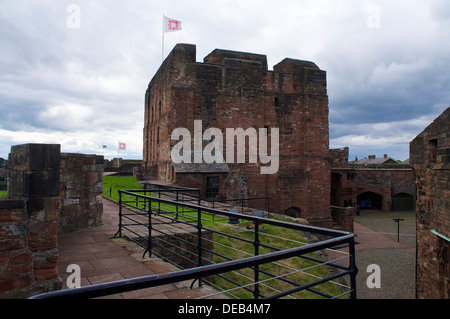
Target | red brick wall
(430,159)
(348,183)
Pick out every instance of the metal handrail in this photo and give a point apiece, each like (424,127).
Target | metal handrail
(120,286)
(338,237)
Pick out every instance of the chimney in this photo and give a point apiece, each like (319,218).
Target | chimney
(356,158)
(385,155)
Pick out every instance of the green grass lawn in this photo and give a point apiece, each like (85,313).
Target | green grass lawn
(3,193)
(273,236)
(111,185)
(383,222)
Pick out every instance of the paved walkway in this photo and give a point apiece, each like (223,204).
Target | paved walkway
(102,259)
(396,261)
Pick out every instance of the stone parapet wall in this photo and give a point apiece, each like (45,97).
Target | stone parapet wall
(81,188)
(343,217)
(48,192)
(29,222)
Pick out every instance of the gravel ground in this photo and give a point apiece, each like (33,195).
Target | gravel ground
(376,238)
(397,274)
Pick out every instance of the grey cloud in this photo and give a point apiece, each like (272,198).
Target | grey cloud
(386,76)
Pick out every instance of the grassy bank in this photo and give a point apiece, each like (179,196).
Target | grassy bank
(111,185)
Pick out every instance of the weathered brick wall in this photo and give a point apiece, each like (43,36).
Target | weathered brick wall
(339,157)
(343,217)
(430,159)
(48,192)
(348,183)
(81,188)
(235,89)
(29,222)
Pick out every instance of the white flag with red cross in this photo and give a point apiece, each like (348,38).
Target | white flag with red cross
(171,25)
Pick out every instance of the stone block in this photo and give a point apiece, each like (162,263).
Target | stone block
(7,244)
(12,215)
(45,184)
(21,258)
(35,157)
(11,204)
(43,236)
(14,283)
(45,270)
(12,229)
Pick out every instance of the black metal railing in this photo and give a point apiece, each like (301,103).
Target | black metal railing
(253,259)
(242,204)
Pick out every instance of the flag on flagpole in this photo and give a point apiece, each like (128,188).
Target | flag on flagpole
(122,146)
(171,25)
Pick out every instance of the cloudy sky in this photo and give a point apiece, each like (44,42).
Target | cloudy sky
(75,72)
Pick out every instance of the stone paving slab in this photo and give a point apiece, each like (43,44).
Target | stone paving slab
(103,258)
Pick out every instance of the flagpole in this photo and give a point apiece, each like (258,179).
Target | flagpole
(162,54)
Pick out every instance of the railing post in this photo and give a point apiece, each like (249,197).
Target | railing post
(353,268)
(199,244)
(198,197)
(120,216)
(256,268)
(159,203)
(176,192)
(145,194)
(149,238)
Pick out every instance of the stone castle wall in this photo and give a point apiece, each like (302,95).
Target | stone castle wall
(81,188)
(236,90)
(29,222)
(48,193)
(430,159)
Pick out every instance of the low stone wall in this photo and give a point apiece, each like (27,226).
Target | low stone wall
(343,217)
(29,222)
(181,248)
(48,192)
(81,188)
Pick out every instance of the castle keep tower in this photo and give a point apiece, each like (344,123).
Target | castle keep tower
(236,90)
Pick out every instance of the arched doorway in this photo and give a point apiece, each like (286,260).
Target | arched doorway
(370,200)
(293,212)
(403,201)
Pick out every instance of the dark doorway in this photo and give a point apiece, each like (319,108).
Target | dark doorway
(370,200)
(402,201)
(293,212)
(212,187)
